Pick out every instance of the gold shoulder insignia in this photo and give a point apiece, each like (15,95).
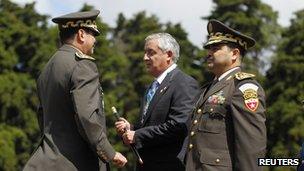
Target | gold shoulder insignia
(84,56)
(243,75)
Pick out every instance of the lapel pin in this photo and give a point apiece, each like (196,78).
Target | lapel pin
(163,89)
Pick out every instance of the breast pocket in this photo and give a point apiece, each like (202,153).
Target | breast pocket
(213,119)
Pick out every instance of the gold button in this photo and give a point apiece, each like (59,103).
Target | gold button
(195,122)
(199,111)
(192,133)
(190,146)
(217,160)
(211,110)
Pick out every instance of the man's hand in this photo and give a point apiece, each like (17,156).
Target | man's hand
(128,137)
(122,125)
(119,160)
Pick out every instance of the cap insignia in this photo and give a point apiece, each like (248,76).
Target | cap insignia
(210,27)
(218,36)
(80,23)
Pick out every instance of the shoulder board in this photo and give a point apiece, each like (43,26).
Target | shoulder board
(84,56)
(243,75)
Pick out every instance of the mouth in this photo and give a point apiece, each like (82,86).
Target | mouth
(209,59)
(148,63)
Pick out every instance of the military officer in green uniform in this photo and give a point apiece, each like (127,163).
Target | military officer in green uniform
(227,129)
(71,114)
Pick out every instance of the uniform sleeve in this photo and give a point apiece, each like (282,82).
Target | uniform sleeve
(248,113)
(40,117)
(175,127)
(40,112)
(89,113)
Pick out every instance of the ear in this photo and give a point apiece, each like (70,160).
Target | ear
(235,54)
(170,55)
(81,35)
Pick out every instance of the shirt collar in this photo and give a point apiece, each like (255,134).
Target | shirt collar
(226,73)
(162,76)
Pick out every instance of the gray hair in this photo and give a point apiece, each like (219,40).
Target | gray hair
(166,43)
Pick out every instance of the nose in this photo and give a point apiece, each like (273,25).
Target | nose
(146,57)
(209,53)
(94,39)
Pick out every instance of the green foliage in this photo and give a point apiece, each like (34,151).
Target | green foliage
(13,146)
(21,42)
(285,91)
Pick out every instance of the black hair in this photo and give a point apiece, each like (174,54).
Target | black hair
(237,46)
(66,34)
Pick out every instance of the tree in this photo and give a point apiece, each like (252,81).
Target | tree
(22,36)
(285,87)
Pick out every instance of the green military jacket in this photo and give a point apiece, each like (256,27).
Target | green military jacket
(227,130)
(71,115)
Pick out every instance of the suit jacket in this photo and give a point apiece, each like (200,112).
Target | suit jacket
(70,115)
(228,126)
(159,136)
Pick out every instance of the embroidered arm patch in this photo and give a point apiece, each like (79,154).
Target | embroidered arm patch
(250,94)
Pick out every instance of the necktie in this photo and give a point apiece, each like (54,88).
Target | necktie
(152,91)
(150,95)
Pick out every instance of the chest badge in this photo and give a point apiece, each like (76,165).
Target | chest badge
(217,98)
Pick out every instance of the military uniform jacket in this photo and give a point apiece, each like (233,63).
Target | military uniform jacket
(160,134)
(71,115)
(228,126)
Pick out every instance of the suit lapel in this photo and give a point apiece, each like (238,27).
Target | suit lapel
(163,87)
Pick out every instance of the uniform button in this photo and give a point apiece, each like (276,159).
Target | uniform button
(211,110)
(192,133)
(199,111)
(190,146)
(195,122)
(217,160)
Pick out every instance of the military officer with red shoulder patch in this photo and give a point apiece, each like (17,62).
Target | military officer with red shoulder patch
(227,129)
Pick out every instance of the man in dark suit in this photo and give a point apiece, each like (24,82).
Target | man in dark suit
(71,115)
(165,109)
(227,130)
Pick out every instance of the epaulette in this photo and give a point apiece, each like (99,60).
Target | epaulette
(243,75)
(83,56)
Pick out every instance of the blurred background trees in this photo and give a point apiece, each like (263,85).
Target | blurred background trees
(27,41)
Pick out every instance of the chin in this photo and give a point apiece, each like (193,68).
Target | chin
(91,52)
(210,65)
